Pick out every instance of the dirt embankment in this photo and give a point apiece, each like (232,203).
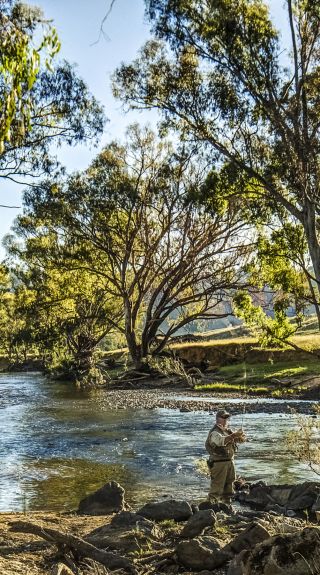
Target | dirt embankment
(227,353)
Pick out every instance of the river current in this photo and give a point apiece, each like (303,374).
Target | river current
(58,445)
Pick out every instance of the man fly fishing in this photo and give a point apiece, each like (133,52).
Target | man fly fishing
(221,445)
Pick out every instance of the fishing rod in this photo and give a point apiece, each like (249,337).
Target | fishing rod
(244,378)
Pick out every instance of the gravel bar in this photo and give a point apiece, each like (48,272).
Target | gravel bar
(183,401)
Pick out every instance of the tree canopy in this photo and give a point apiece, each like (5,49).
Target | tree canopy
(42,100)
(219,73)
(129,221)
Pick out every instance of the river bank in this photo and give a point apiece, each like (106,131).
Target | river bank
(164,536)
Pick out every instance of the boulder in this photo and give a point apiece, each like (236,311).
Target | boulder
(175,509)
(282,498)
(108,499)
(224,507)
(258,496)
(248,538)
(304,496)
(293,554)
(128,519)
(198,522)
(274,508)
(126,534)
(201,553)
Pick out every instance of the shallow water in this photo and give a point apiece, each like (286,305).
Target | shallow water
(57,445)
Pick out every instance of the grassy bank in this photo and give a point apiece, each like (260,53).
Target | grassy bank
(276,379)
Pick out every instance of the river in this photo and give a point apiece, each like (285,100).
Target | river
(57,445)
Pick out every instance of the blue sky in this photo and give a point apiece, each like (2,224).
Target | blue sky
(78,23)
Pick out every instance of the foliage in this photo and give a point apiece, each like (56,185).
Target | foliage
(282,268)
(128,221)
(20,61)
(66,312)
(270,331)
(303,442)
(15,338)
(41,101)
(219,74)
(172,366)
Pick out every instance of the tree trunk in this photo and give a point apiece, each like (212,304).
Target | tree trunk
(84,360)
(134,348)
(309,225)
(76,544)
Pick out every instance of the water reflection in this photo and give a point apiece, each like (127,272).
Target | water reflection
(60,484)
(57,446)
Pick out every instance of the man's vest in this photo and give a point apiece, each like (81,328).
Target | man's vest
(223,453)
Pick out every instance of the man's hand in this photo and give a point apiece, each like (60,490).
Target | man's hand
(239,436)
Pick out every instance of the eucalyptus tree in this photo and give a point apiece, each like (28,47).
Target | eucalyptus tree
(15,336)
(129,221)
(41,100)
(66,311)
(220,72)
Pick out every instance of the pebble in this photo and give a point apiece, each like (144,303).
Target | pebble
(158,399)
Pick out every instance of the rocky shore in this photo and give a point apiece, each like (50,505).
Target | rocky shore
(169,536)
(187,401)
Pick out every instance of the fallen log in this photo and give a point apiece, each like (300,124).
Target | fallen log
(75,544)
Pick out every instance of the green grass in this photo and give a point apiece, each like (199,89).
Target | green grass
(285,391)
(219,386)
(263,378)
(264,372)
(305,340)
(222,387)
(254,390)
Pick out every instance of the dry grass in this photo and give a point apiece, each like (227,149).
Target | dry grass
(308,342)
(25,554)
(216,343)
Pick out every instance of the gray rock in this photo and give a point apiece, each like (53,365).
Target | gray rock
(293,554)
(201,553)
(170,509)
(128,519)
(304,495)
(237,565)
(258,496)
(126,538)
(290,513)
(275,508)
(198,522)
(215,507)
(194,508)
(295,498)
(108,499)
(247,539)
